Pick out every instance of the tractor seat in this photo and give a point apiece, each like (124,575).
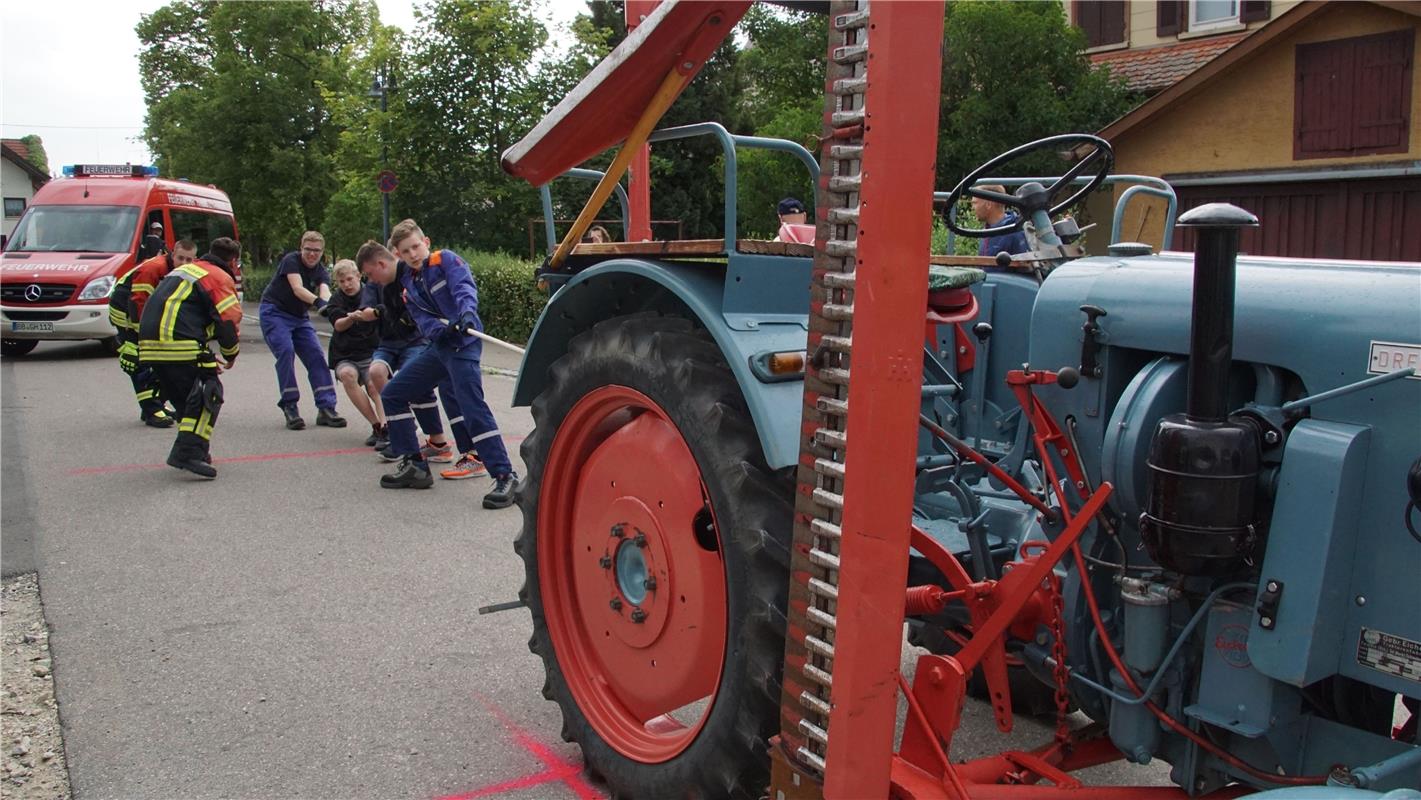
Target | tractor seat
(949,290)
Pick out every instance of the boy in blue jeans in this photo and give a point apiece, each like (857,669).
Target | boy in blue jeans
(443,301)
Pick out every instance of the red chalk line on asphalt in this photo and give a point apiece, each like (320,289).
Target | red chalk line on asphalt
(557,770)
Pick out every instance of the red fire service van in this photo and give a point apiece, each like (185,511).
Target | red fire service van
(81,234)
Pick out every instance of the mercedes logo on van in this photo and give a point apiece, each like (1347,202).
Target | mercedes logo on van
(32,293)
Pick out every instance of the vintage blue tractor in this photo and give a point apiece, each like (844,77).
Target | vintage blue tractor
(1177,492)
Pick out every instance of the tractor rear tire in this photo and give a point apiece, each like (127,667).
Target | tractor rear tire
(14,348)
(644,399)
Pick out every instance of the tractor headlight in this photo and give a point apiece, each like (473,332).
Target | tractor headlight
(98,288)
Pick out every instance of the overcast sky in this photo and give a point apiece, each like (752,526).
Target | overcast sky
(69,74)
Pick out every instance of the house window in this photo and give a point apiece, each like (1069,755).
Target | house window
(1205,14)
(1352,97)
(1102,21)
(1173,17)
(14,206)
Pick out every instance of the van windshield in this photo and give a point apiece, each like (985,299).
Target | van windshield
(75,229)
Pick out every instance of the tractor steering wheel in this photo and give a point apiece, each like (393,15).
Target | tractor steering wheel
(1036,198)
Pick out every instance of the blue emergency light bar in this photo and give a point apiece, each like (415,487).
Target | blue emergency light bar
(120,170)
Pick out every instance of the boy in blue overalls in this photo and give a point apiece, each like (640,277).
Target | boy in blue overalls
(300,282)
(443,301)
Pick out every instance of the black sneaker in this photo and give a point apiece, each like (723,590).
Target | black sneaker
(387,453)
(412,474)
(199,468)
(383,442)
(373,437)
(329,418)
(501,495)
(293,418)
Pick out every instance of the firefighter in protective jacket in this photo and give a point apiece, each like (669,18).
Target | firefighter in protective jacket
(193,304)
(122,303)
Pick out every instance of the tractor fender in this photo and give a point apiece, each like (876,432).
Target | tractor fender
(696,291)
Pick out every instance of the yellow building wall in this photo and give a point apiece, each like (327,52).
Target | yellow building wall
(1143,23)
(1243,119)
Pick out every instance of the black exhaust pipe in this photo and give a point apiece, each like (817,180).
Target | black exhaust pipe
(1200,516)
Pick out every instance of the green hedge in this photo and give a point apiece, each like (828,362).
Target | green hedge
(509,302)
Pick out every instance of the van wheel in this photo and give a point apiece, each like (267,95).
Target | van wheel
(110,345)
(17,347)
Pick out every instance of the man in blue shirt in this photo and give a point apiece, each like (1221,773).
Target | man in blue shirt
(993,214)
(443,301)
(301,282)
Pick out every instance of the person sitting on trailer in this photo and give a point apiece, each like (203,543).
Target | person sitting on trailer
(793,222)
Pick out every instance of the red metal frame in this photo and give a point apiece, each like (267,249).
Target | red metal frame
(899,151)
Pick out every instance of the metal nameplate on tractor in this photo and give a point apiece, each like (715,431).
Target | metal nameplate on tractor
(1390,654)
(1391,356)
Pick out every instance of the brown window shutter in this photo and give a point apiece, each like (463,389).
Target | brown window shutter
(1382,92)
(1254,10)
(1321,105)
(1102,21)
(1169,17)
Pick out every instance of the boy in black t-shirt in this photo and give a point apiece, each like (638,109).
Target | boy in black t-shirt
(357,331)
(300,283)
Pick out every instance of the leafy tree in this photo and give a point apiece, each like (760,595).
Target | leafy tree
(994,98)
(783,71)
(238,96)
(37,156)
(470,93)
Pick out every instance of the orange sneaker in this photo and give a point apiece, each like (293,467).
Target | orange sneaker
(438,453)
(468,466)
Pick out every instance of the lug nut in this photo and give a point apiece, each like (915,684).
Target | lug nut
(638,616)
(650,582)
(605,561)
(1271,437)
(618,532)
(1273,586)
(616,604)
(639,540)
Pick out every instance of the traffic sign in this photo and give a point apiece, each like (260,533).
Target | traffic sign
(388,182)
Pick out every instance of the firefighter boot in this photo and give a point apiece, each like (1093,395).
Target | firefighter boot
(189,457)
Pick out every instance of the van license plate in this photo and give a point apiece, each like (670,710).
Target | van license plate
(32,327)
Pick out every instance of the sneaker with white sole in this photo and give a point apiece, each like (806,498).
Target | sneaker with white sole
(438,453)
(468,466)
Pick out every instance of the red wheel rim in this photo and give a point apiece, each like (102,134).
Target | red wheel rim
(621,502)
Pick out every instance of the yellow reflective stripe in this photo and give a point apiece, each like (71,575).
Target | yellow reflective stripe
(230,351)
(146,287)
(204,424)
(170,309)
(169,344)
(146,394)
(188,425)
(191,271)
(226,304)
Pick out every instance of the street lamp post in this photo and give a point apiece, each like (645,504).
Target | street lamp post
(381,88)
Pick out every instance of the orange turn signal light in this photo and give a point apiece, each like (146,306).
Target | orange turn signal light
(786,363)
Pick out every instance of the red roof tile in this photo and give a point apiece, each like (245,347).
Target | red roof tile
(18,147)
(1151,69)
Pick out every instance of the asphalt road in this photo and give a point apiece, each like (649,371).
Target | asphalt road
(289,630)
